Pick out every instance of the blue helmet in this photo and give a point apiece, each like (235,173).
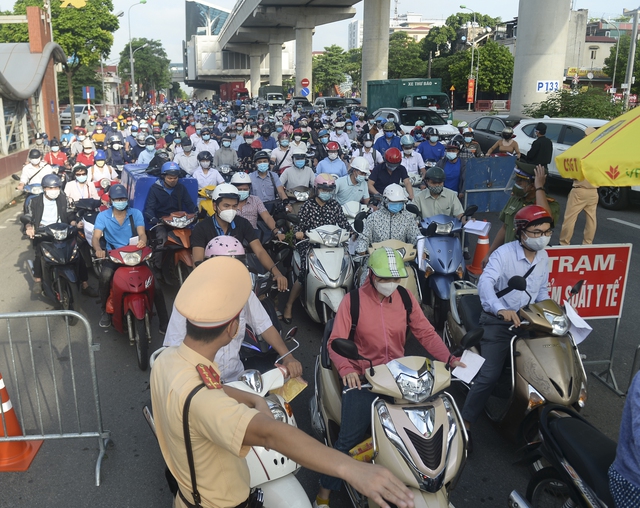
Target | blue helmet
(51,180)
(170,168)
(323,132)
(100,156)
(118,191)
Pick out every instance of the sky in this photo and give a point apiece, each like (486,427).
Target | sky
(164,19)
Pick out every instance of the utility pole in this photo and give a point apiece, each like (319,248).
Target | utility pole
(632,56)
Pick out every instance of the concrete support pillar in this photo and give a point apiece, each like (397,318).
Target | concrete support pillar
(304,36)
(254,65)
(275,63)
(540,55)
(375,43)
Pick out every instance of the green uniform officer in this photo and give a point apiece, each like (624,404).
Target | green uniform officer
(528,189)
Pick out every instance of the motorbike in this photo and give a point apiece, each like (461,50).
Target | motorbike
(227,172)
(60,255)
(87,210)
(297,197)
(544,366)
(103,186)
(177,261)
(269,470)
(130,300)
(205,200)
(329,271)
(441,260)
(579,457)
(419,435)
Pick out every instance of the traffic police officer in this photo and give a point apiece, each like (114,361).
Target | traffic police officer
(224,422)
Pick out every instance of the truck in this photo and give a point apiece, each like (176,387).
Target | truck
(272,94)
(409,93)
(233,91)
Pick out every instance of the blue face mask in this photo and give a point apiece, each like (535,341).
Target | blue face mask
(171,131)
(388,134)
(419,137)
(226,144)
(452,155)
(206,137)
(360,178)
(468,140)
(244,194)
(299,163)
(198,131)
(433,139)
(120,205)
(278,129)
(339,131)
(263,167)
(150,148)
(395,207)
(324,140)
(325,196)
(284,142)
(81,178)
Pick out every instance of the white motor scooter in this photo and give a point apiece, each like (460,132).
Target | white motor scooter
(269,470)
(330,271)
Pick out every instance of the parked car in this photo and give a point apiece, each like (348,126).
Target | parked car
(487,129)
(83,114)
(564,133)
(336,103)
(407,118)
(300,101)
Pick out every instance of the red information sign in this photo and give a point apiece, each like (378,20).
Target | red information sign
(604,269)
(471,86)
(304,82)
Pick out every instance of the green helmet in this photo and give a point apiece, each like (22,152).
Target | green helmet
(387,263)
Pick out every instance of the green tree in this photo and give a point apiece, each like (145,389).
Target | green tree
(84,76)
(404,57)
(460,19)
(439,41)
(176,92)
(151,64)
(621,68)
(593,103)
(441,68)
(353,67)
(85,34)
(495,73)
(328,69)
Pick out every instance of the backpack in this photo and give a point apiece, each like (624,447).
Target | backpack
(355,308)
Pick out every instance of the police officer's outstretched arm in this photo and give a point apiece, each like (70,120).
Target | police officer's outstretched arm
(374,481)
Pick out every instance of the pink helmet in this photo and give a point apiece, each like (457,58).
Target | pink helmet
(224,246)
(325,181)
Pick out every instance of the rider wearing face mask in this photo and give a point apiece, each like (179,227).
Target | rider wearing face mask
(528,189)
(332,164)
(264,183)
(149,152)
(431,149)
(390,171)
(454,167)
(225,155)
(188,158)
(56,157)
(299,174)
(250,207)
(380,337)
(436,199)
(281,156)
(411,159)
(207,143)
(81,187)
(100,169)
(525,256)
(45,209)
(353,187)
(470,148)
(205,174)
(390,222)
(388,139)
(339,135)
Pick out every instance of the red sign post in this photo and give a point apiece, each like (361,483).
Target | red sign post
(304,82)
(471,87)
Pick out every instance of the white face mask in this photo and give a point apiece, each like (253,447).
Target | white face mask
(227,215)
(297,138)
(34,162)
(55,148)
(386,289)
(52,193)
(333,156)
(536,244)
(368,144)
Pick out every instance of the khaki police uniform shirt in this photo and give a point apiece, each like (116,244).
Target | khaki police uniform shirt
(218,424)
(446,203)
(513,206)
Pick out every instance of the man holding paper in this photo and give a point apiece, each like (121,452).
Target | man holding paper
(526,257)
(436,199)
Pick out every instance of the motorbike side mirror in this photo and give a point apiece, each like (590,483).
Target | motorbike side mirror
(358,225)
(576,289)
(291,333)
(293,218)
(281,223)
(471,210)
(430,230)
(25,219)
(472,338)
(413,209)
(16,177)
(348,349)
(517,283)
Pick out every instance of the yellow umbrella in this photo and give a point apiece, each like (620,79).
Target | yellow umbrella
(606,157)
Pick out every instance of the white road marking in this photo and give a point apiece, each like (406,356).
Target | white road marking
(624,222)
(3,227)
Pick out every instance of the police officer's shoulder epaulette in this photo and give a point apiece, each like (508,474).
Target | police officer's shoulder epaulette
(550,200)
(210,377)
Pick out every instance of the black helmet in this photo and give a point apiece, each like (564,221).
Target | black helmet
(54,142)
(431,131)
(265,129)
(114,139)
(150,140)
(204,156)
(260,154)
(79,167)
(118,191)
(51,181)
(435,173)
(367,137)
(35,154)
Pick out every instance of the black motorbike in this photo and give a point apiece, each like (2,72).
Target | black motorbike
(577,458)
(87,210)
(227,171)
(59,254)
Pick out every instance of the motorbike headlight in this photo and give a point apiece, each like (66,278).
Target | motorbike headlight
(105,182)
(60,234)
(209,193)
(225,170)
(444,229)
(35,190)
(559,323)
(330,239)
(132,258)
(278,412)
(301,196)
(415,389)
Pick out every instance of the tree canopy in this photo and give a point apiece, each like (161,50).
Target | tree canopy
(151,64)
(593,103)
(621,68)
(495,73)
(405,57)
(329,69)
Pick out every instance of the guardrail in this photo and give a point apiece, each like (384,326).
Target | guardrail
(48,362)
(495,105)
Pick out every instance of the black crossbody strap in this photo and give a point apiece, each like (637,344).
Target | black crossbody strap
(133,227)
(187,443)
(508,290)
(355,312)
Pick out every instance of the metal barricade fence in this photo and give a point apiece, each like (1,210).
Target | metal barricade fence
(48,366)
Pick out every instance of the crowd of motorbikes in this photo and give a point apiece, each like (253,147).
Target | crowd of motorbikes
(416,428)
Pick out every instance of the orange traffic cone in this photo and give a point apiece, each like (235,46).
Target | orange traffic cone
(482,249)
(14,455)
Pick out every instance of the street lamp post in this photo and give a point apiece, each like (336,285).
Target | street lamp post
(133,81)
(473,48)
(632,56)
(132,65)
(615,63)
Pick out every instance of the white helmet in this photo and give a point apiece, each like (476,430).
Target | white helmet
(240,178)
(339,125)
(225,190)
(394,192)
(361,164)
